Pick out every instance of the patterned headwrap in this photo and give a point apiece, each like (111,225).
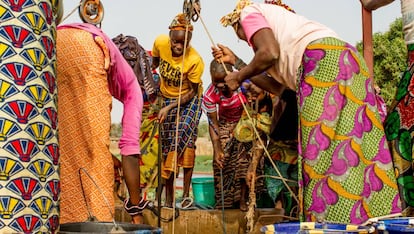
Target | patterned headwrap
(279,3)
(234,16)
(180,23)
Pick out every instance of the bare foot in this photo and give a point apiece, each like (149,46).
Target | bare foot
(243,206)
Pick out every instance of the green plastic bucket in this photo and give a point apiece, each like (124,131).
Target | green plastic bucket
(203,191)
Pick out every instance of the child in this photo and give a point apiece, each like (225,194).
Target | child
(224,108)
(231,157)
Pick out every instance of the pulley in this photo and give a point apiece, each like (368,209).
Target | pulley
(191,8)
(91,11)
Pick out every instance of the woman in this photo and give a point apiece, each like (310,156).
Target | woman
(345,169)
(181,90)
(29,181)
(91,71)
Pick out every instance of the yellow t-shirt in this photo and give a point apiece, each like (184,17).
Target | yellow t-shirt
(170,68)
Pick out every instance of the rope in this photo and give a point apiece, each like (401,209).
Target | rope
(209,36)
(176,122)
(252,188)
(70,13)
(215,130)
(248,115)
(267,152)
(222,201)
(245,109)
(91,216)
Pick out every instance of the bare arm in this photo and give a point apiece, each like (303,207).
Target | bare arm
(267,83)
(215,138)
(266,54)
(155,63)
(185,98)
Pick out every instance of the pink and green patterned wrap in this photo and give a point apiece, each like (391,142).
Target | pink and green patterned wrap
(345,165)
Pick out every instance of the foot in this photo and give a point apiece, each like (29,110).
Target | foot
(243,206)
(137,219)
(168,204)
(186,203)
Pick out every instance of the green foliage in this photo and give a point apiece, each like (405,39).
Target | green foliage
(116,130)
(203,129)
(390,56)
(203,163)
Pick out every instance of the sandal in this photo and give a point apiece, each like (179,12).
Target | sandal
(187,202)
(135,209)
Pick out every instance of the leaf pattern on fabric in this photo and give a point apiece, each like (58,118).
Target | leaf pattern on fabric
(396,204)
(353,138)
(392,125)
(404,145)
(318,141)
(403,87)
(371,97)
(408,182)
(322,195)
(383,155)
(343,158)
(311,59)
(348,65)
(358,213)
(333,103)
(371,181)
(362,123)
(306,90)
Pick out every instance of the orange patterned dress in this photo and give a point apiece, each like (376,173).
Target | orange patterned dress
(83,78)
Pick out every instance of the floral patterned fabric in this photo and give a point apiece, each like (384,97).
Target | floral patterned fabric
(346,172)
(399,130)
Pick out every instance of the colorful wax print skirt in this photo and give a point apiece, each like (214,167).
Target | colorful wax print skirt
(149,140)
(29,158)
(399,127)
(182,147)
(345,166)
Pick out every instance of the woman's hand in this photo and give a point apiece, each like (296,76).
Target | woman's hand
(218,158)
(163,113)
(224,54)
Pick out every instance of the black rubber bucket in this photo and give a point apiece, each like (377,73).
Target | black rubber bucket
(107,227)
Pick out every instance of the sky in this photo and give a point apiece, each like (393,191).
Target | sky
(146,19)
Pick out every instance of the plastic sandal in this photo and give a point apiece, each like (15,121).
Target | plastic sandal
(135,209)
(189,200)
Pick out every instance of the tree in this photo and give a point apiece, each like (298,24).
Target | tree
(116,130)
(390,59)
(203,129)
